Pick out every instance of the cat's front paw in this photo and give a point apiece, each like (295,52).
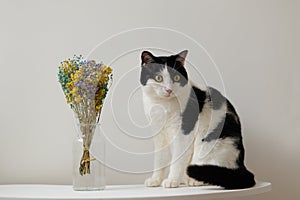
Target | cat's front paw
(152,182)
(170,183)
(194,183)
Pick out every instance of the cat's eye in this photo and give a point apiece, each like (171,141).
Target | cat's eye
(158,78)
(176,78)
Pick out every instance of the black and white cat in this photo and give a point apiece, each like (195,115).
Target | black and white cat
(199,132)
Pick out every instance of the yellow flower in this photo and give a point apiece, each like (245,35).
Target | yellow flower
(70,84)
(98,107)
(78,99)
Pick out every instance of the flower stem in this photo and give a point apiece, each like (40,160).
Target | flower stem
(84,167)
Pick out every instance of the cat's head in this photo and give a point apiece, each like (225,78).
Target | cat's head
(165,75)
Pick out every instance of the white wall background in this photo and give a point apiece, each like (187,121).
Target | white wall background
(254,43)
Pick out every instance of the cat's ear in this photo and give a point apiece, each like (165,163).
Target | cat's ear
(181,57)
(147,57)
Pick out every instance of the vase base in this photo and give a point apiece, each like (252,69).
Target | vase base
(88,188)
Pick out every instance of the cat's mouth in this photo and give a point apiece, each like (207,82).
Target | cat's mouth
(167,95)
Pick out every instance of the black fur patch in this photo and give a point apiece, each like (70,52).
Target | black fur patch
(193,108)
(228,178)
(216,98)
(150,71)
(229,127)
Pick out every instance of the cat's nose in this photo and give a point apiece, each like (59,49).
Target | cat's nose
(169,91)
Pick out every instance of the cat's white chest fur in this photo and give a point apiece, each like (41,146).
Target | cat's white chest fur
(172,148)
(164,115)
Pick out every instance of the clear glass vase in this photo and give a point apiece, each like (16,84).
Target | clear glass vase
(88,158)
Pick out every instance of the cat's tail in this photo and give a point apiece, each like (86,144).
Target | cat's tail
(227,178)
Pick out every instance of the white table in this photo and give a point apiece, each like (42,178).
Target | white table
(121,192)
